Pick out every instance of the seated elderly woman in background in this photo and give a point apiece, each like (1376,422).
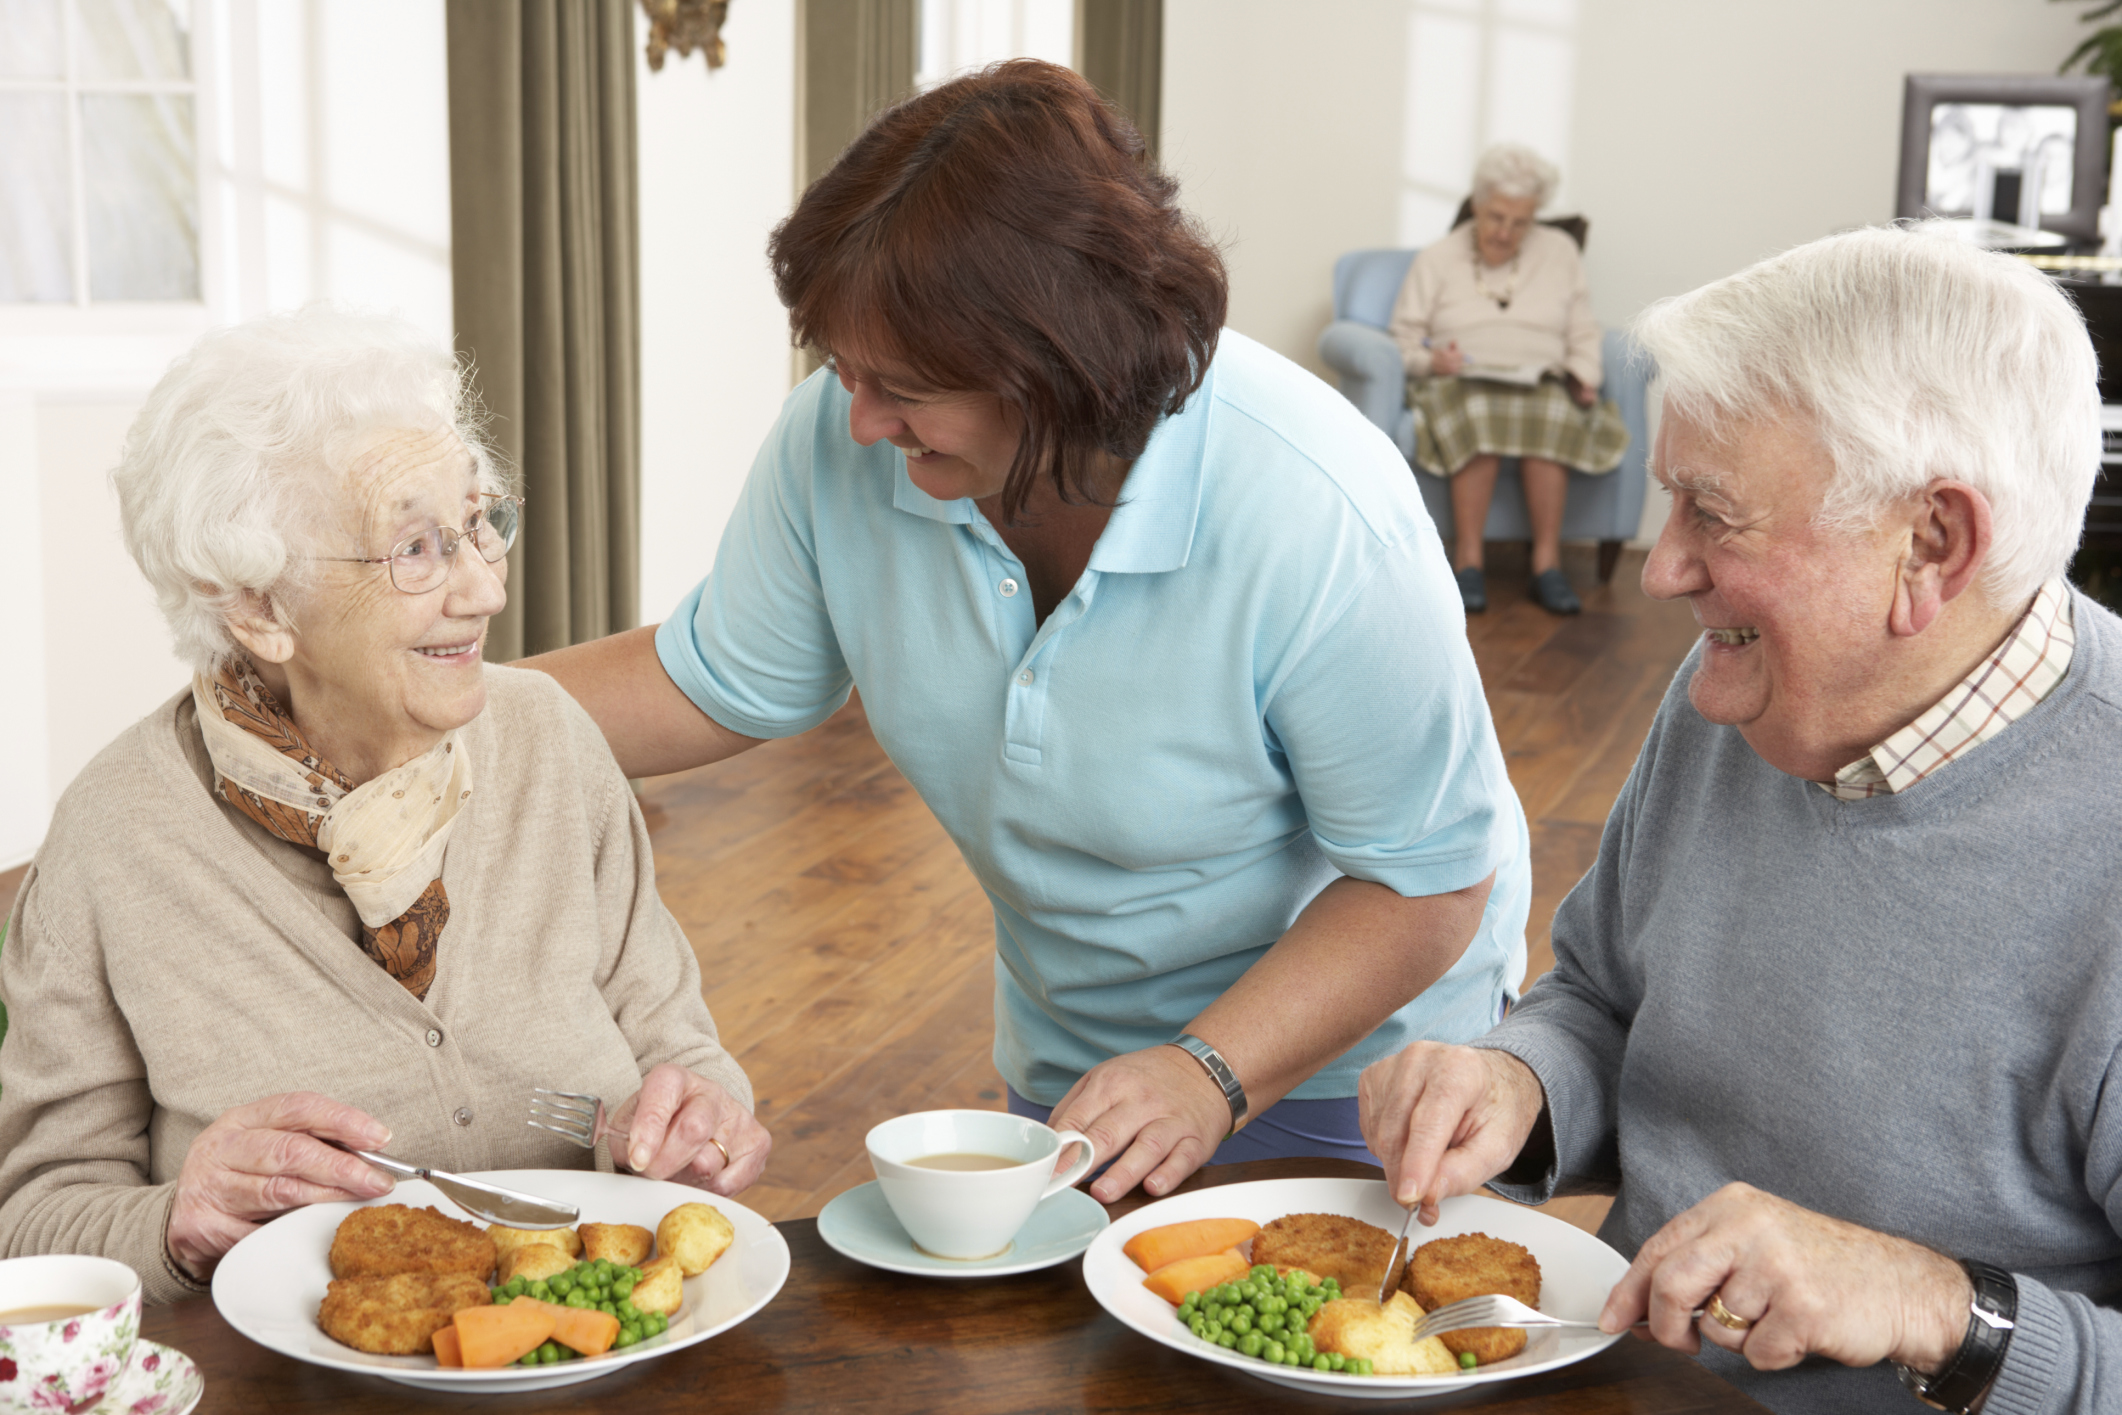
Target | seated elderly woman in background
(353,883)
(1502,353)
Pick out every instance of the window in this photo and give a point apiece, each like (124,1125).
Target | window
(99,172)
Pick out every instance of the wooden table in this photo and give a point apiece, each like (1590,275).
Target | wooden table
(841,1336)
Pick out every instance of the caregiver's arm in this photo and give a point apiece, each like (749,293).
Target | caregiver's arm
(1356,954)
(652,727)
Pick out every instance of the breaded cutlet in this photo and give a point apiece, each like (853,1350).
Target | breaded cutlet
(1447,1270)
(391,1238)
(396,1315)
(1328,1246)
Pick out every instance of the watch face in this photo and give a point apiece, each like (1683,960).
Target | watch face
(1918,1385)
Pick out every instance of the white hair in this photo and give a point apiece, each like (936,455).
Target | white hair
(1913,357)
(224,481)
(1511,170)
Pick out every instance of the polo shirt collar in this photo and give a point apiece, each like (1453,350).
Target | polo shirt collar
(1152,529)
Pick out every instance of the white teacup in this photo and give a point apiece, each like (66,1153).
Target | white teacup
(73,1359)
(970,1213)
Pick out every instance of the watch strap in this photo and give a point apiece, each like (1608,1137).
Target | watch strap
(1219,1072)
(1991,1318)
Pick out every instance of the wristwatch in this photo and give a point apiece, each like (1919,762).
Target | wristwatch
(1961,1381)
(1219,1072)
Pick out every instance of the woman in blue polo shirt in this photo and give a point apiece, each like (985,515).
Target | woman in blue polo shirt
(1152,619)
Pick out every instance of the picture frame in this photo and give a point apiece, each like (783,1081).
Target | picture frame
(1970,143)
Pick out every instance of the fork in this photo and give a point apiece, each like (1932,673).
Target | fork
(572,1115)
(1496,1310)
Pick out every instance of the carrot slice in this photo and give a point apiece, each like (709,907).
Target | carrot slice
(581,1329)
(492,1337)
(1174,1280)
(1154,1248)
(447,1351)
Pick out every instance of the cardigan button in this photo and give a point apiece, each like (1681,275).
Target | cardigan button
(434,1038)
(463,1116)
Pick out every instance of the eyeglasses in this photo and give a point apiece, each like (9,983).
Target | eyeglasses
(422,563)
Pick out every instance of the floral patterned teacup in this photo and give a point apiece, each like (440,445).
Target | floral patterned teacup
(66,1362)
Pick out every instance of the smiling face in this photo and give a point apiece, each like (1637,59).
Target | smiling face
(373,676)
(955,444)
(1500,224)
(1797,614)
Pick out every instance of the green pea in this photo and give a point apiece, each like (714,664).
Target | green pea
(626,1337)
(1198,1326)
(1262,1270)
(1214,1331)
(1271,1351)
(627,1312)
(529,1358)
(1250,1344)
(1340,1362)
(1363,1365)
(1271,1322)
(1311,1306)
(1321,1363)
(541,1290)
(1467,1360)
(1227,1340)
(659,1323)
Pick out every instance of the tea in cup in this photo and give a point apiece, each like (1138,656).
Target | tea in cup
(962,1182)
(67,1326)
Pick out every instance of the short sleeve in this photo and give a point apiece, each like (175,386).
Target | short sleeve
(753,644)
(1389,738)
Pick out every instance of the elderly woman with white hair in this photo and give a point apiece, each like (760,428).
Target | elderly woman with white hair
(1837,1013)
(353,884)
(1495,327)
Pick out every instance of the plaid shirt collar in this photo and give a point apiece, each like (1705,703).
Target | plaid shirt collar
(2026,668)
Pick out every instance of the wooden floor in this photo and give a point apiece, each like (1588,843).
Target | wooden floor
(848,954)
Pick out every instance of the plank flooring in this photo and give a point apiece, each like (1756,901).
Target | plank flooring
(848,953)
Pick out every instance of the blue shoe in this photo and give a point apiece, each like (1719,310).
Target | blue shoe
(1473,589)
(1552,593)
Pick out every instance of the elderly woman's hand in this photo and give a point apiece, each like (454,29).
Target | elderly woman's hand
(1156,1110)
(260,1160)
(687,1128)
(1445,362)
(1806,1285)
(1446,1119)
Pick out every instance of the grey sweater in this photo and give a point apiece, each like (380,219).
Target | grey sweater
(1902,1012)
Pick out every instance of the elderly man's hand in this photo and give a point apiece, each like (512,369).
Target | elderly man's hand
(679,1126)
(1806,1283)
(260,1160)
(1446,1119)
(1156,1110)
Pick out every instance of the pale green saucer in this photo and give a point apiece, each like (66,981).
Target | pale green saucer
(860,1225)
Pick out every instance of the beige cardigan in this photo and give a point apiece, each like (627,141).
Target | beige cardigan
(168,959)
(1549,321)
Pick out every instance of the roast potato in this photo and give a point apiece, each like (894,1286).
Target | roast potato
(662,1287)
(533,1261)
(565,1239)
(624,1245)
(695,1235)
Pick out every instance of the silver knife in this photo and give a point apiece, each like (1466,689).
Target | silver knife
(507,1207)
(1385,1288)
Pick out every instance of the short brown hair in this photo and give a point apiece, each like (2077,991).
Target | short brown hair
(1007,233)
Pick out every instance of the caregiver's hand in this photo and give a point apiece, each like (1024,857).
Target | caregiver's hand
(1446,1119)
(678,1126)
(260,1160)
(1156,1109)
(1807,1284)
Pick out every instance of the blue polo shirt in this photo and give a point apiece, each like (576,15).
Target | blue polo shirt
(1261,682)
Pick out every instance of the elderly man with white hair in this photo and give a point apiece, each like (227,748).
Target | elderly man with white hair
(1836,1012)
(353,884)
(1495,327)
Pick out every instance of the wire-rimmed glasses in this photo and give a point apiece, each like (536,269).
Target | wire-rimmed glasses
(421,563)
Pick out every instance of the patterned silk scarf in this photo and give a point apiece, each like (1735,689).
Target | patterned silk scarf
(386,838)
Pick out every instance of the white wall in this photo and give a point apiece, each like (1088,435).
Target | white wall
(717,172)
(1699,136)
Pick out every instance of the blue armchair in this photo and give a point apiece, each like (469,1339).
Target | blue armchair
(1605,508)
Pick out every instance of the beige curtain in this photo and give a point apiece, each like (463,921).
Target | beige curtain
(1120,49)
(544,257)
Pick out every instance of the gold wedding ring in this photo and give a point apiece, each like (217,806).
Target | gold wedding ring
(1723,1316)
(725,1151)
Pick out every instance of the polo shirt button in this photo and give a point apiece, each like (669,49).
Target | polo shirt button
(1024,679)
(463,1116)
(1008,588)
(434,1038)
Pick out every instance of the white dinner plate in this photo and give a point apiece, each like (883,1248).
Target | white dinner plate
(270,1285)
(1576,1272)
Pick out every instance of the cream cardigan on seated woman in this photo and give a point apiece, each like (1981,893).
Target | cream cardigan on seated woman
(1548,320)
(168,959)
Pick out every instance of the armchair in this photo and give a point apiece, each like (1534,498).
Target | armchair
(1605,508)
